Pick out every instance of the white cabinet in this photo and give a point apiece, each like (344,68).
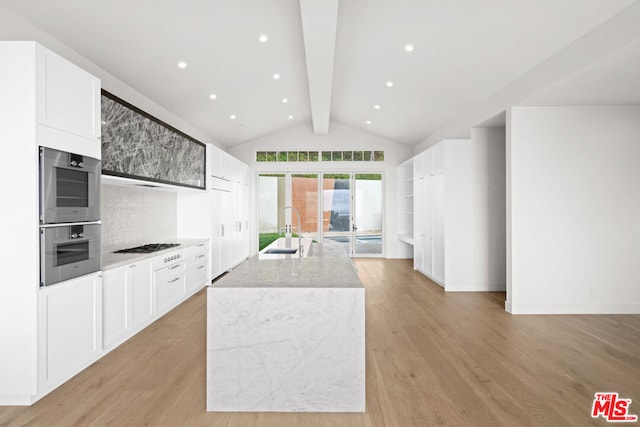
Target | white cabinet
(169,280)
(127,301)
(68,96)
(221,164)
(230,239)
(115,305)
(140,278)
(453,243)
(23,321)
(68,105)
(221,231)
(197,267)
(70,328)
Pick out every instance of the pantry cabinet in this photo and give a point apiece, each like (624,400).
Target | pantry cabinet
(454,192)
(230,218)
(45,101)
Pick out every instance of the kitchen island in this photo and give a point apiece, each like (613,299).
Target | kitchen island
(287,335)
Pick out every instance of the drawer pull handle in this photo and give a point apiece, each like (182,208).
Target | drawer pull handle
(201,267)
(174,267)
(175,280)
(200,256)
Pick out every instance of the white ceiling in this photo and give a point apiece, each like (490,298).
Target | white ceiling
(333,58)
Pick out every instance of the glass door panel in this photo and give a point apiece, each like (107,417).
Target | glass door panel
(271,212)
(304,198)
(368,214)
(336,213)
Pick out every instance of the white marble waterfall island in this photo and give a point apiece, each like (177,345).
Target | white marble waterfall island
(287,335)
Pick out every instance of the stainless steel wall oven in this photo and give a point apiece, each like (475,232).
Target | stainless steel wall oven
(68,251)
(69,216)
(69,187)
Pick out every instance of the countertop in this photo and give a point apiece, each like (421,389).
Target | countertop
(112,260)
(327,266)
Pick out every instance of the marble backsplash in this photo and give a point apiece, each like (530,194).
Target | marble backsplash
(134,216)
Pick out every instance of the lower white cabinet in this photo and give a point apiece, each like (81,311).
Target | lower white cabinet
(126,300)
(197,267)
(169,285)
(70,324)
(136,294)
(141,286)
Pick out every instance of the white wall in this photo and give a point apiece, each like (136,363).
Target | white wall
(340,137)
(475,212)
(573,209)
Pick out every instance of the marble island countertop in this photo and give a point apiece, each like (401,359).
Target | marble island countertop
(112,260)
(325,265)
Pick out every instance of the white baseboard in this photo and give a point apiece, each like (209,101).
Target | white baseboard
(572,308)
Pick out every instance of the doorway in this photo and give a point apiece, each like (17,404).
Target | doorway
(352,212)
(345,208)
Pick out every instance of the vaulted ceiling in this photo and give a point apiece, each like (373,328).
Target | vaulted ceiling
(401,69)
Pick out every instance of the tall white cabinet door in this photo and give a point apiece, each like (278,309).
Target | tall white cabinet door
(115,305)
(68,96)
(71,327)
(418,215)
(140,280)
(438,197)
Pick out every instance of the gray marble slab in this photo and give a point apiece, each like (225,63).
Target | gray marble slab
(325,267)
(287,335)
(286,349)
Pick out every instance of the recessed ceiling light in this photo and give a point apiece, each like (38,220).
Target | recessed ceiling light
(290,117)
(389,83)
(409,48)
(377,106)
(285,100)
(213,96)
(182,64)
(263,38)
(368,122)
(232,117)
(276,76)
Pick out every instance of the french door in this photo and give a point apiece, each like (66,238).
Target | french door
(345,208)
(352,212)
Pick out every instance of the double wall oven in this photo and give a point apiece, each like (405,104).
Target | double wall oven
(69,216)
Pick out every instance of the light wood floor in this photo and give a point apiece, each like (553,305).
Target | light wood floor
(433,358)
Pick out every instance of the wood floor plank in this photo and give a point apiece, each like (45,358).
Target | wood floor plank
(432,358)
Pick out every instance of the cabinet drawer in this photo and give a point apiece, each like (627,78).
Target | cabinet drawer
(197,276)
(169,290)
(197,259)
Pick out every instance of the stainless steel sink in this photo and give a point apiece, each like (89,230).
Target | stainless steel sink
(281,251)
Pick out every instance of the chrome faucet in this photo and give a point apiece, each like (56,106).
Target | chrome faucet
(299,228)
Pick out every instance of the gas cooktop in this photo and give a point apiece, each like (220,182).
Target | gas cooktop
(148,248)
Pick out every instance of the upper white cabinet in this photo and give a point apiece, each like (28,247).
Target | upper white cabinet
(454,185)
(68,97)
